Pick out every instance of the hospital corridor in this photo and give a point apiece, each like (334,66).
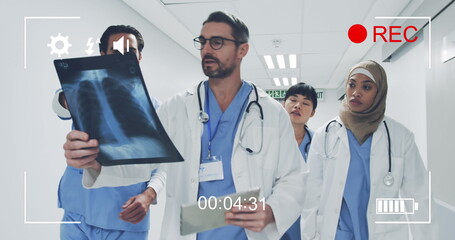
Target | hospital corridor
(227,119)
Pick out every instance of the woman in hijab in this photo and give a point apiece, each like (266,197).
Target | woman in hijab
(364,169)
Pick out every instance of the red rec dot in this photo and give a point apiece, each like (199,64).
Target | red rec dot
(357,33)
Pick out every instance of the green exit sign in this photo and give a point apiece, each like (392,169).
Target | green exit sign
(276,94)
(280,94)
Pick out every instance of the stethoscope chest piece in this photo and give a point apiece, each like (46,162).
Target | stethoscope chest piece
(388,179)
(203,117)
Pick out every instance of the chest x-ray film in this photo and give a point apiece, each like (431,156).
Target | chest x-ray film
(107,98)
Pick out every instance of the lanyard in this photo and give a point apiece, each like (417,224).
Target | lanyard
(207,106)
(235,101)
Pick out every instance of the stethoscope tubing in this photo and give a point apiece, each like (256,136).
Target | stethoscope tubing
(202,112)
(389,172)
(204,117)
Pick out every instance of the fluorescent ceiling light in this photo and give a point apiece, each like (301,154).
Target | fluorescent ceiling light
(269,61)
(277,82)
(285,81)
(292,61)
(280,60)
(294,80)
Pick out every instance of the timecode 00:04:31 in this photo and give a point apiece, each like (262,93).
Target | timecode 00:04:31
(228,202)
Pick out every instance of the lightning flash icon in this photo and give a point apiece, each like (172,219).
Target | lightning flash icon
(89,50)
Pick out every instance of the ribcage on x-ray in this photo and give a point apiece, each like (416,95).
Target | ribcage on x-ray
(89,109)
(90,113)
(127,111)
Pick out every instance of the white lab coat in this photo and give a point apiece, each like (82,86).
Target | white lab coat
(278,169)
(325,186)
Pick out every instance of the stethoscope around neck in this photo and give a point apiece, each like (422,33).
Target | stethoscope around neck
(204,117)
(307,146)
(388,179)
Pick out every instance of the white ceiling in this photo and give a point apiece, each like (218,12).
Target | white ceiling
(315,30)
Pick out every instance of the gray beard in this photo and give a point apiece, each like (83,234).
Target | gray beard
(219,73)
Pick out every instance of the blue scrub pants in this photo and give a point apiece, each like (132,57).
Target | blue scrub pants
(83,231)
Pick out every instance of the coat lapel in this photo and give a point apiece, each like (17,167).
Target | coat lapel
(376,161)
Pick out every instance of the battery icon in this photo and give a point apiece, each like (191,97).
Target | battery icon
(396,206)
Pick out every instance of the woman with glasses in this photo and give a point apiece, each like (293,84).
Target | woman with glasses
(300,103)
(367,179)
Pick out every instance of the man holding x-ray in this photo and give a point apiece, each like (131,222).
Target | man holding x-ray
(110,212)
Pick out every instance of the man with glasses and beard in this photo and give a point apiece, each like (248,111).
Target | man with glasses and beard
(227,125)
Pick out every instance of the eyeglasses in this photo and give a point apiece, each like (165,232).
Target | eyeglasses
(216,43)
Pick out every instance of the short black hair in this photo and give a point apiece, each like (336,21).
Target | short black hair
(305,90)
(239,29)
(114,29)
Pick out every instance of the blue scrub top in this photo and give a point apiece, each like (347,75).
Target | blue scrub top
(293,233)
(353,223)
(306,140)
(223,127)
(101,206)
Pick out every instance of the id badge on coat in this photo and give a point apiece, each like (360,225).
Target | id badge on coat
(211,169)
